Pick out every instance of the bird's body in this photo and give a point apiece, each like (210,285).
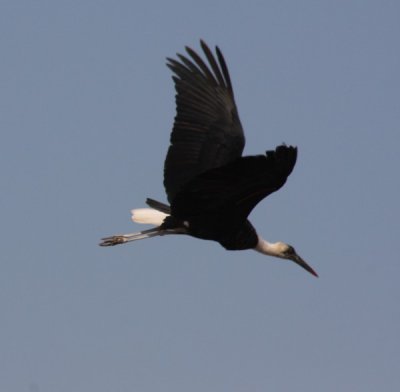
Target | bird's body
(210,186)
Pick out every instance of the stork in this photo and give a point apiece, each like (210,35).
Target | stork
(210,186)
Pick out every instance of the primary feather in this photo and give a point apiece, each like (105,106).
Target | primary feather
(207,132)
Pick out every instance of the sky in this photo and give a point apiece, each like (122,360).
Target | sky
(86,108)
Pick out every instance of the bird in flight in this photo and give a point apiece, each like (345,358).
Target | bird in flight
(211,188)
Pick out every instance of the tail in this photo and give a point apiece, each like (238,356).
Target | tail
(148,216)
(124,238)
(157,205)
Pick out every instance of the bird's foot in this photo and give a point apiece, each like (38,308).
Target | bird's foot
(113,240)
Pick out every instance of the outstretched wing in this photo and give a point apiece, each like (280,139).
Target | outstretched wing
(207,132)
(231,192)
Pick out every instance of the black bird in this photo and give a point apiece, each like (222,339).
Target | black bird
(210,186)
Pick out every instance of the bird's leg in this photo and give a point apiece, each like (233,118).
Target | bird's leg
(124,238)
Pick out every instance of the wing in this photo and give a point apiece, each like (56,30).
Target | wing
(207,132)
(232,191)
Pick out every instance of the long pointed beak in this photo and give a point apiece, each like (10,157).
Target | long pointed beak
(299,261)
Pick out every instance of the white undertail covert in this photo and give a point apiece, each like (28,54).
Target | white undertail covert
(148,216)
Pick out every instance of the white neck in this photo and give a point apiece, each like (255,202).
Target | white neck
(268,248)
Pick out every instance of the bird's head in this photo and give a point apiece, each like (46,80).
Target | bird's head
(283,251)
(288,252)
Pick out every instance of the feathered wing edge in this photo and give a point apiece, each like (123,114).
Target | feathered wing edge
(207,131)
(238,186)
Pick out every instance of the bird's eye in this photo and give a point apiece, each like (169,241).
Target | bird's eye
(290,250)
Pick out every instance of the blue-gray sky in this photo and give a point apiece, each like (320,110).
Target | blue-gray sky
(86,108)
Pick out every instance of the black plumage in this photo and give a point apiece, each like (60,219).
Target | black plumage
(208,183)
